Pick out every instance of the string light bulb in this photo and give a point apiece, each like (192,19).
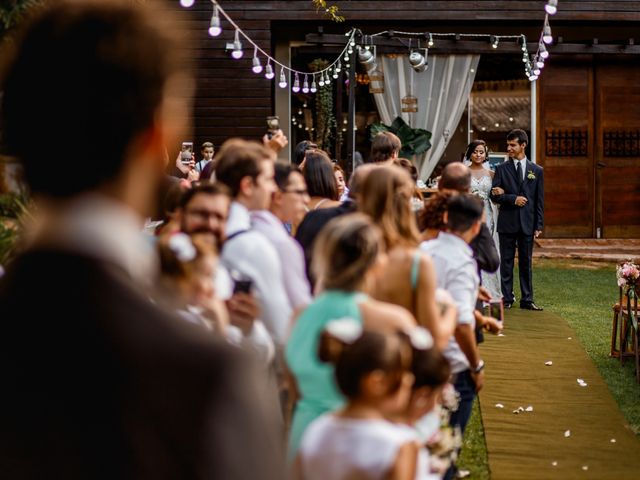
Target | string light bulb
(268,71)
(321,81)
(430,42)
(327,80)
(494,41)
(187,3)
(546,34)
(283,79)
(257,66)
(296,84)
(214,26)
(305,85)
(338,66)
(336,73)
(314,87)
(237,47)
(542,51)
(539,62)
(551,7)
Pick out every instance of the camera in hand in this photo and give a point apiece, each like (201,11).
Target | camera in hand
(241,283)
(273,125)
(186,153)
(495,309)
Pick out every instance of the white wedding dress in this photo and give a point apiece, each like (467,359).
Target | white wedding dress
(481,186)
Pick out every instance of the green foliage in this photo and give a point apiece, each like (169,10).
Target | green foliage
(325,122)
(474,449)
(13,11)
(415,141)
(14,209)
(330,11)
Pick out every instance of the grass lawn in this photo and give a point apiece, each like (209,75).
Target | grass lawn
(582,293)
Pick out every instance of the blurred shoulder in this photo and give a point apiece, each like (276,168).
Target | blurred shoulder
(383,315)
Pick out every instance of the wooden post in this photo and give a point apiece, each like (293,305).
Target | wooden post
(351,132)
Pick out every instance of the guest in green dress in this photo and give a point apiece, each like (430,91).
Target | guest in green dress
(348,255)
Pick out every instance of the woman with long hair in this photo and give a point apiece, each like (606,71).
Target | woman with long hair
(348,256)
(409,278)
(320,180)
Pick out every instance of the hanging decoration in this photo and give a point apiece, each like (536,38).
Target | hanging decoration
(533,65)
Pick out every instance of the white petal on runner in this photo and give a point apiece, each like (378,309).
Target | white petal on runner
(529,409)
(567,434)
(499,405)
(549,363)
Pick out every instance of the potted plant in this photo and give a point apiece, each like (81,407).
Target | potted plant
(415,141)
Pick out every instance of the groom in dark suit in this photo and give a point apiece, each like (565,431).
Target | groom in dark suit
(518,187)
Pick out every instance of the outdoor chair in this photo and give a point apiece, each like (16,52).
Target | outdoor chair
(615,334)
(627,319)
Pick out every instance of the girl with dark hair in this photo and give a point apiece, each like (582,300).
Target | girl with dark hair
(346,261)
(374,372)
(477,156)
(320,179)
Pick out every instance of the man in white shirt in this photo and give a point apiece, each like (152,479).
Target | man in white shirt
(457,273)
(247,169)
(287,207)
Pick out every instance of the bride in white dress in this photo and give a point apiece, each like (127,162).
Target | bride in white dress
(481,179)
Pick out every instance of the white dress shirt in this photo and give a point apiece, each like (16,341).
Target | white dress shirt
(291,257)
(523,166)
(456,272)
(251,254)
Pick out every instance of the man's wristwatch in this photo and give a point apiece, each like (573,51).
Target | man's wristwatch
(478,368)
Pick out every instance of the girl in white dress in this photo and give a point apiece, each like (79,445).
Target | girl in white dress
(481,180)
(373,370)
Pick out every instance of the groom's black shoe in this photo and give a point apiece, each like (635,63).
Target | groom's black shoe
(508,305)
(531,306)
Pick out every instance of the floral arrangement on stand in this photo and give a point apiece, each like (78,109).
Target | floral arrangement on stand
(628,274)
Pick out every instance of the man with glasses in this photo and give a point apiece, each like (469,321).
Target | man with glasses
(287,208)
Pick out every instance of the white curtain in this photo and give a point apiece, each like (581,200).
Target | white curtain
(442,92)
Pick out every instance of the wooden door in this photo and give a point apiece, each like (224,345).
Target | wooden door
(618,147)
(565,147)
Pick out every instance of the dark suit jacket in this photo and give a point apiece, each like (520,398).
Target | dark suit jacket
(97,383)
(513,219)
(485,251)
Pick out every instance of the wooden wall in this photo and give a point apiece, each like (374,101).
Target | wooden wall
(233,101)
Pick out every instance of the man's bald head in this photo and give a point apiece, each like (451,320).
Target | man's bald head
(455,176)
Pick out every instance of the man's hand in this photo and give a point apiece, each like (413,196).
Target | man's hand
(521,201)
(483,294)
(497,191)
(537,233)
(277,142)
(478,379)
(491,324)
(243,310)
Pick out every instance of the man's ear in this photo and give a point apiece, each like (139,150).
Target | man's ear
(276,198)
(445,217)
(246,186)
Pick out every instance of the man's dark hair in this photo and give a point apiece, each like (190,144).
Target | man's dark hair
(300,151)
(204,189)
(237,159)
(85,80)
(283,171)
(455,176)
(384,146)
(519,135)
(319,176)
(463,211)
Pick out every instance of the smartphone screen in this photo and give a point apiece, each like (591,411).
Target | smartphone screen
(243,286)
(186,152)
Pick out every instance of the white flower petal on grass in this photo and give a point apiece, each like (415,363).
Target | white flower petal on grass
(549,363)
(516,411)
(521,409)
(529,409)
(613,440)
(555,464)
(567,434)
(568,338)
(499,405)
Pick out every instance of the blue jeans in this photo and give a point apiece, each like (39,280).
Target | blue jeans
(466,388)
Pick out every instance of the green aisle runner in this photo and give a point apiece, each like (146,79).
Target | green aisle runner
(533,445)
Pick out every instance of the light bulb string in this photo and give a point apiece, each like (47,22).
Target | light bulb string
(351,36)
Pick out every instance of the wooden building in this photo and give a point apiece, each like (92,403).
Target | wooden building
(586,103)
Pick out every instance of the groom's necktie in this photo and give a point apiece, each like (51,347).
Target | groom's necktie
(519,172)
